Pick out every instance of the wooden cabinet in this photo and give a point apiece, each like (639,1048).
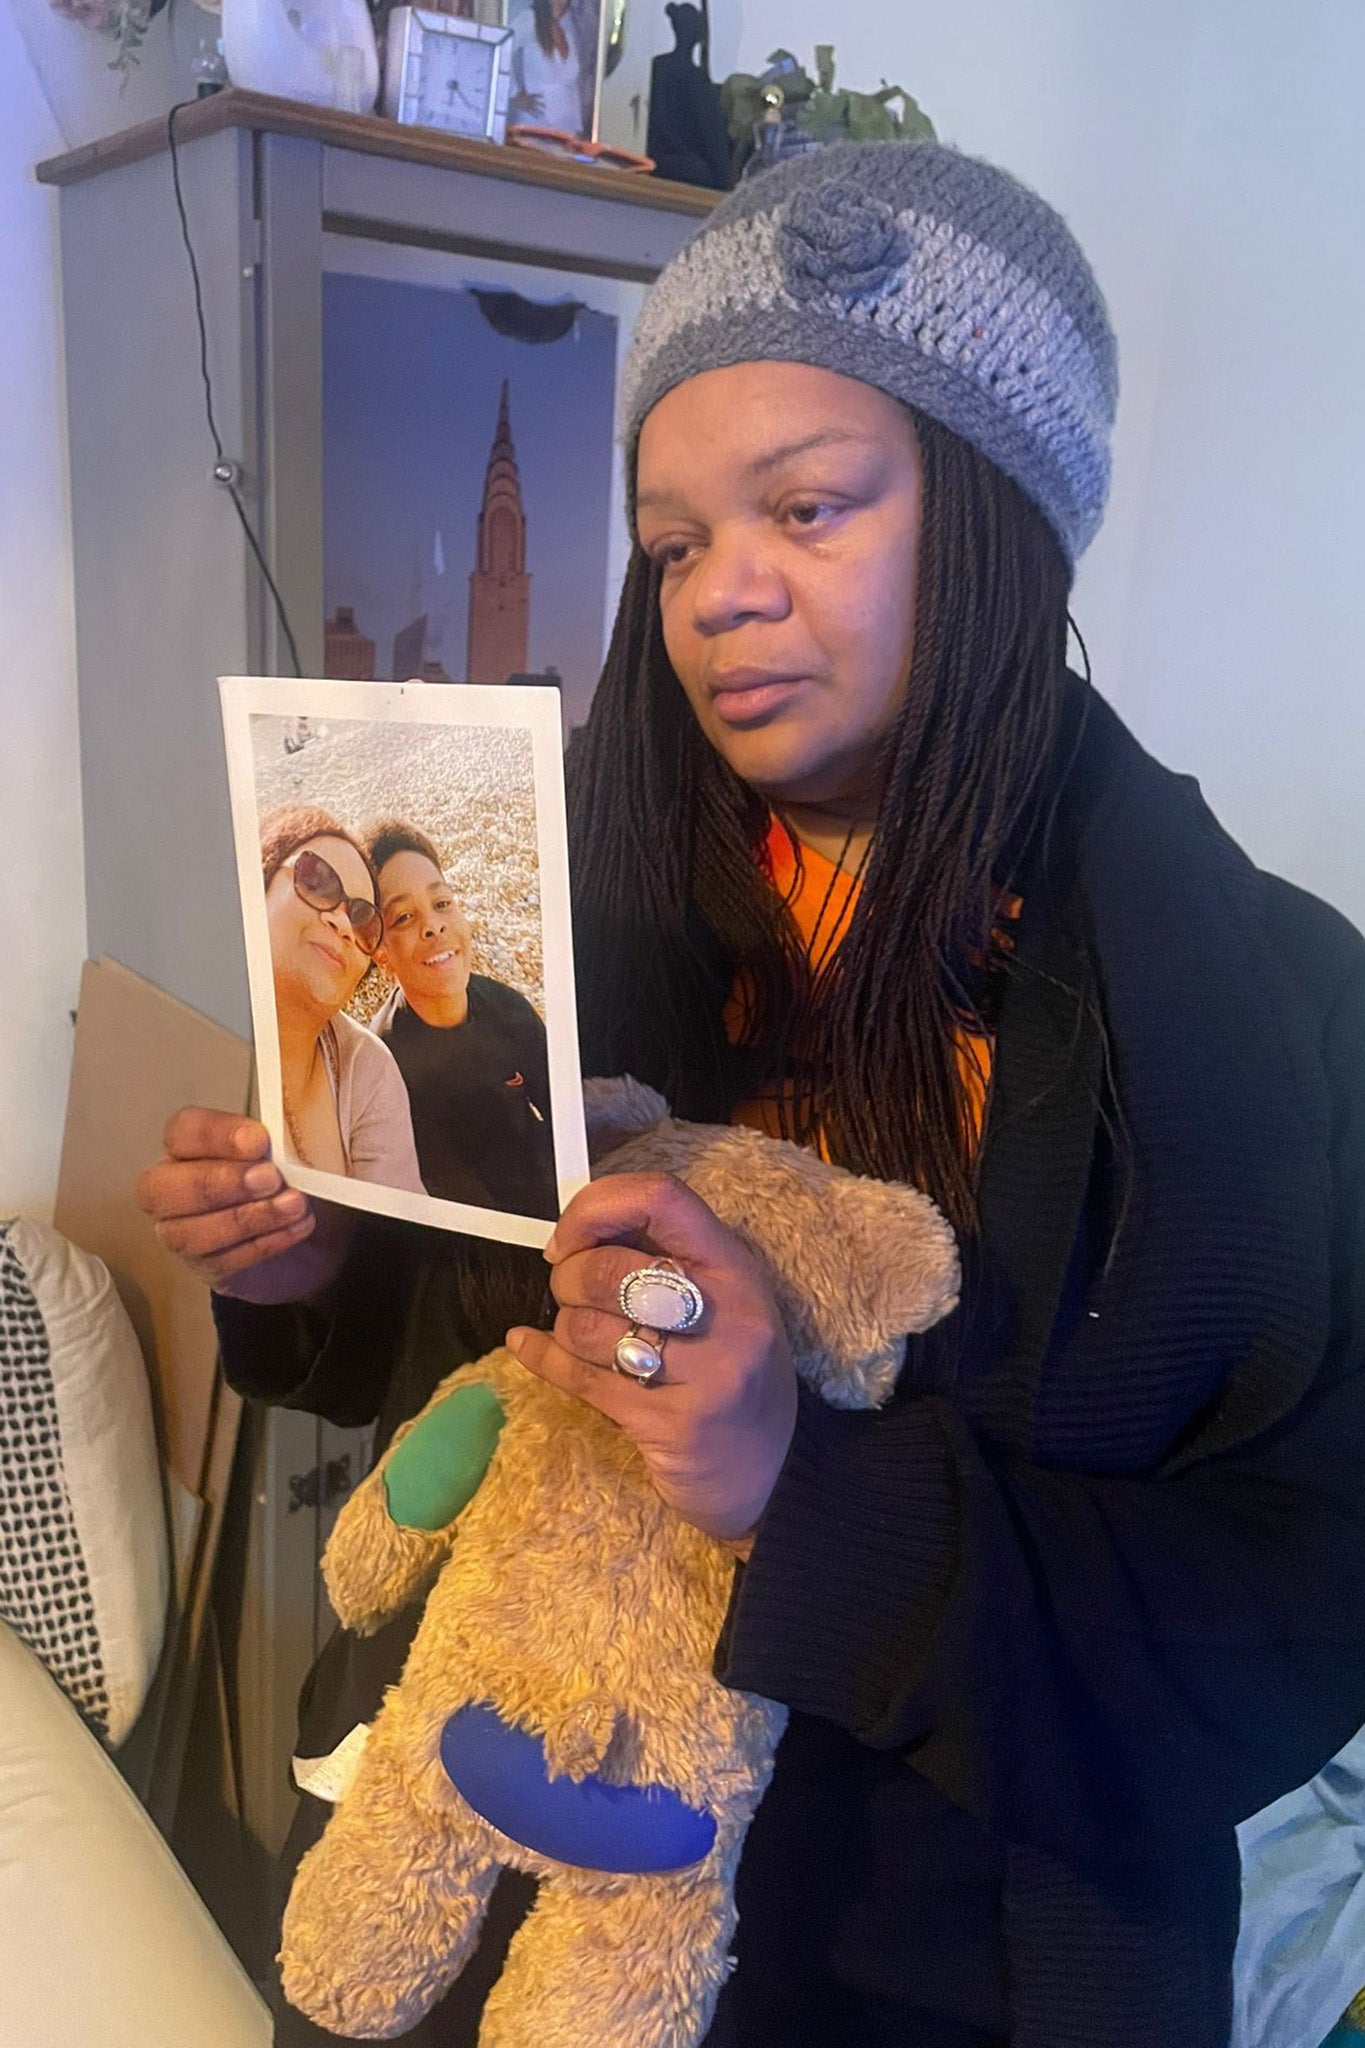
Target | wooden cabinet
(168,594)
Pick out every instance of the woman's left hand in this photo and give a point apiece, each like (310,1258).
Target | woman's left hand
(716,1426)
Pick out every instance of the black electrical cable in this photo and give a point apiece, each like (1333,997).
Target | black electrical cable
(225,470)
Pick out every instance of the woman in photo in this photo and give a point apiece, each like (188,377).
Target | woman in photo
(547,87)
(856,855)
(345,1106)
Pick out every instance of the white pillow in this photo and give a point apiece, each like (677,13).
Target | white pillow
(84,1558)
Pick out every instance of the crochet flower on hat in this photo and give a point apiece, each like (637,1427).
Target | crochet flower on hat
(837,242)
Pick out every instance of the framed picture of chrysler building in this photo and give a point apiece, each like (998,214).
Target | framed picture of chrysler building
(473,514)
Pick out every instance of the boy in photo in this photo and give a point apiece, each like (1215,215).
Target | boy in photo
(471,1050)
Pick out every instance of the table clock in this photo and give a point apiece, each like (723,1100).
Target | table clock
(442,71)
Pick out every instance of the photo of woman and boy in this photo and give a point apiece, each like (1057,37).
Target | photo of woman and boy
(413,1054)
(447,1091)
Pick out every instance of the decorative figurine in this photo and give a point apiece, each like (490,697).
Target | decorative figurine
(322,51)
(688,138)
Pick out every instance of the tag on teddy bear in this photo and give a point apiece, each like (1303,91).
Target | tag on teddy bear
(331,1777)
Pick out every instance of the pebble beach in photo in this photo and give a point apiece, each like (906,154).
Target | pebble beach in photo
(469,788)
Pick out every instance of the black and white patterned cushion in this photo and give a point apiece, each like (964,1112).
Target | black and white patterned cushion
(84,1569)
(45,1591)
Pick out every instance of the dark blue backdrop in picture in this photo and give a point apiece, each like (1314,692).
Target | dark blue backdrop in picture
(468,444)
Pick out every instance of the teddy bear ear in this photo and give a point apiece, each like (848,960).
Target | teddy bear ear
(617,1109)
(857,1264)
(891,1270)
(903,1247)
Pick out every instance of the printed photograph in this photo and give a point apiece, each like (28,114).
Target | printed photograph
(405,900)
(467,485)
(554,64)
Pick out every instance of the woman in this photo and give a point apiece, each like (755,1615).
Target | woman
(345,1106)
(547,86)
(854,855)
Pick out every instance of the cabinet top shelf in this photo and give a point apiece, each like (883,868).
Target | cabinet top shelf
(372,135)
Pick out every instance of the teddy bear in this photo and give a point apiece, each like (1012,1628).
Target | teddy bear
(557,1713)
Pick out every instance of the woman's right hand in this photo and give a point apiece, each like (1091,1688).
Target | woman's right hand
(219,1202)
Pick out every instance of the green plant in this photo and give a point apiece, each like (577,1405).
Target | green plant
(815,108)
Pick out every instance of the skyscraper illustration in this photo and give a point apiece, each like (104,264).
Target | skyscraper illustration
(348,654)
(410,649)
(499,587)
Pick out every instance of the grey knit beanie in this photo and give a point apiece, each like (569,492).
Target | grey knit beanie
(936,277)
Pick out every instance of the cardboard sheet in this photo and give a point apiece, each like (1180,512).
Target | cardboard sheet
(139,1055)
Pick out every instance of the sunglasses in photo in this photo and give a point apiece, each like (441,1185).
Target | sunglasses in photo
(317,883)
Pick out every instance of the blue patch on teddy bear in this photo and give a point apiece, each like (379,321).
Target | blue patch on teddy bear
(502,1773)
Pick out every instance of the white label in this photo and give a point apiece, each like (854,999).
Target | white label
(331,1777)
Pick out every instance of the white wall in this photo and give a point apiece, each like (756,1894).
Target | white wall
(1208,154)
(56,90)
(1245,651)
(40,834)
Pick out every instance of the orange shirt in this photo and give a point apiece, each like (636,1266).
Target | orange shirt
(820,898)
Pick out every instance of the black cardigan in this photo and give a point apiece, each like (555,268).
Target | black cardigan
(1097,1574)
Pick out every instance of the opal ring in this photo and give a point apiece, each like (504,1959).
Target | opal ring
(637,1359)
(662,1298)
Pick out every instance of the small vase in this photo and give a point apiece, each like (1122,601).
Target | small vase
(322,51)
